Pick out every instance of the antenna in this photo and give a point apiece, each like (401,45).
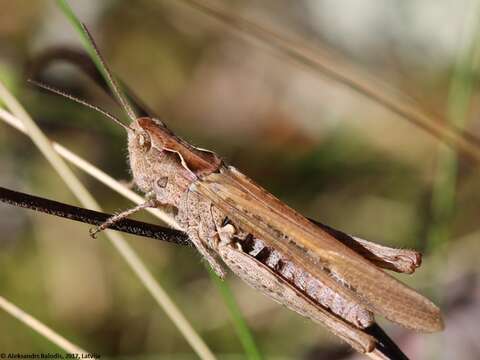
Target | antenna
(111,80)
(80,101)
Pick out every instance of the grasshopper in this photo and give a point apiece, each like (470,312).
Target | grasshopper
(321,273)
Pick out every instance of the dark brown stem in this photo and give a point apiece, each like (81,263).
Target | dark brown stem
(385,345)
(91,217)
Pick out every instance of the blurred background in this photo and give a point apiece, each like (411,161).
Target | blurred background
(321,147)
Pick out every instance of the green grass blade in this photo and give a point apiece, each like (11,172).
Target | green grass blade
(70,15)
(459,99)
(94,54)
(241,328)
(445,183)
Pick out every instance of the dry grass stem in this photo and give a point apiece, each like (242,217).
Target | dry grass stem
(340,71)
(39,327)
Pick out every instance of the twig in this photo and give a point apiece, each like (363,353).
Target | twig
(92,217)
(386,347)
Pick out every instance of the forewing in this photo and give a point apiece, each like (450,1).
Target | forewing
(346,272)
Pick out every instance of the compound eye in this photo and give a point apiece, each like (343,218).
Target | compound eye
(144,141)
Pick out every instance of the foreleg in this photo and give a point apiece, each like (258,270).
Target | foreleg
(116,218)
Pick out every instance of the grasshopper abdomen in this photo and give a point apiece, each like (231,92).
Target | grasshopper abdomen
(303,281)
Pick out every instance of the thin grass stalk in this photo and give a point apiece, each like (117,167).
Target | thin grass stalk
(89,47)
(87,200)
(39,327)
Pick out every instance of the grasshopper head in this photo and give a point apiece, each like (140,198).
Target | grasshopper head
(156,165)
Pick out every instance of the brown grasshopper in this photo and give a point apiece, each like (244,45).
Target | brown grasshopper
(314,270)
